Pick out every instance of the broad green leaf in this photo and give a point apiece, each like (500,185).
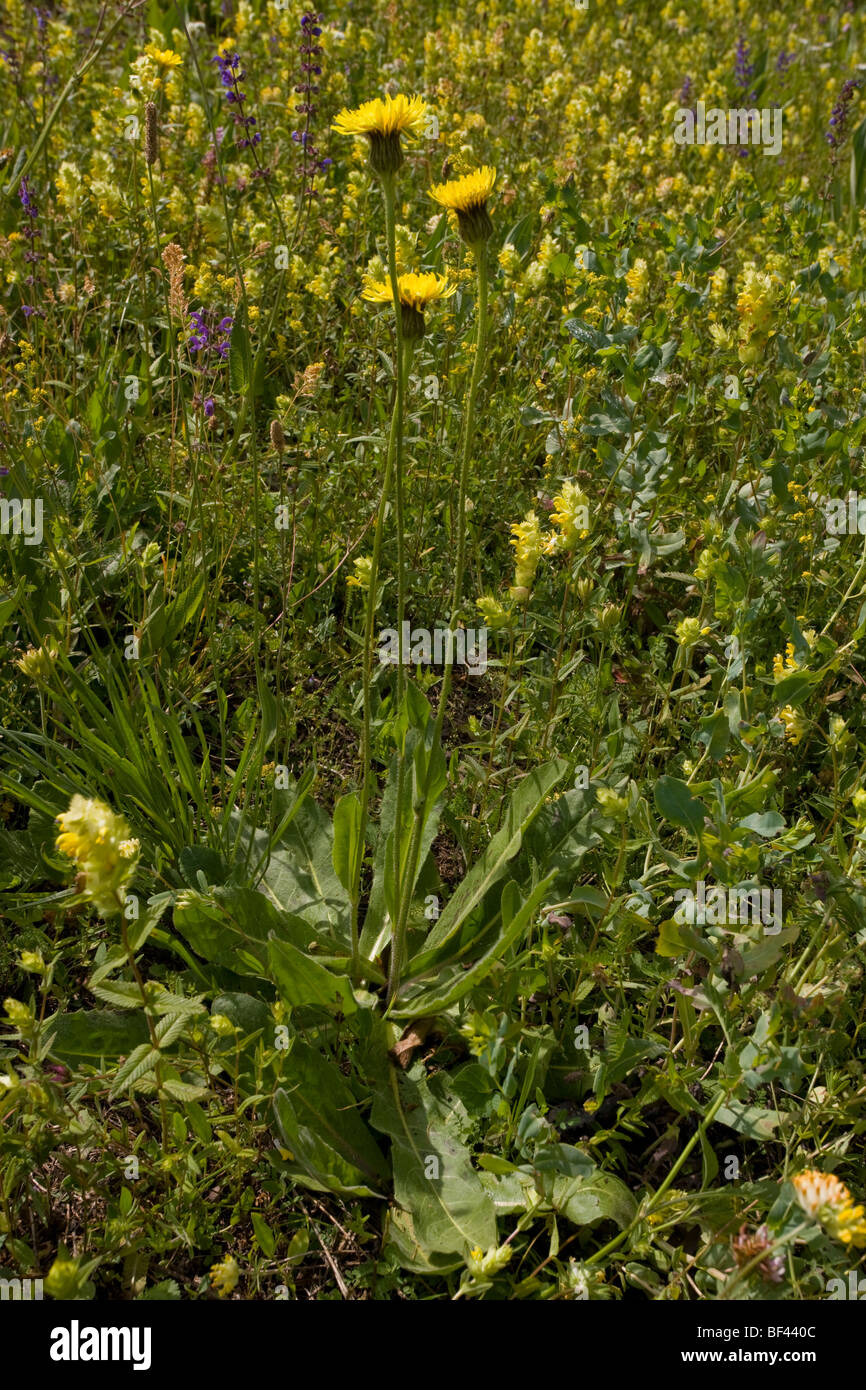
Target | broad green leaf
(676,804)
(434,1180)
(793,689)
(89,1035)
(492,866)
(300,877)
(348,839)
(329,1145)
(376,931)
(264,1235)
(458,981)
(231,926)
(767,824)
(247,1013)
(302,980)
(675,939)
(752,1120)
(599,1197)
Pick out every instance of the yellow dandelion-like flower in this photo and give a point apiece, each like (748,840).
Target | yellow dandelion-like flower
(467,197)
(416,292)
(100,842)
(165,57)
(383,122)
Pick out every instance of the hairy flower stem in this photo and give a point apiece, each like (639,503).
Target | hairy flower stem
(478,365)
(391,236)
(366,786)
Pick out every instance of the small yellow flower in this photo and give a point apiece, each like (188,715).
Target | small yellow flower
(825,1198)
(782,667)
(37,662)
(363,573)
(494,613)
(165,57)
(794,722)
(527,542)
(571,515)
(225,1275)
(689,632)
(482,1266)
(32,962)
(100,842)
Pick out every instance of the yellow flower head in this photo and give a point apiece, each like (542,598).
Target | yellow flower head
(817,1191)
(494,613)
(782,666)
(571,515)
(100,842)
(37,663)
(383,122)
(467,196)
(794,722)
(415,291)
(824,1197)
(224,1276)
(363,573)
(165,57)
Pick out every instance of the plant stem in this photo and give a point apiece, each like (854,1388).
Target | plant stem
(478,365)
(396,426)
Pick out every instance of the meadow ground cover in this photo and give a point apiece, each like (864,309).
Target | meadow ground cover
(432,599)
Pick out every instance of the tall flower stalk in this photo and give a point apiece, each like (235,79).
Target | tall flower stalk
(383,122)
(467,197)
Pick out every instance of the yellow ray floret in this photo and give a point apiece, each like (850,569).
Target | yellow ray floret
(466,193)
(416,291)
(391,116)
